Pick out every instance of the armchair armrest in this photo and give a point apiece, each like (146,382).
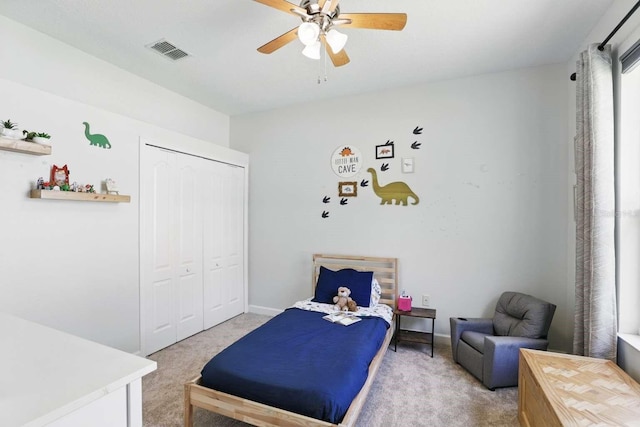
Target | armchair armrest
(461,324)
(500,358)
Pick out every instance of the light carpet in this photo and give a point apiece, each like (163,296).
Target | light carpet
(410,389)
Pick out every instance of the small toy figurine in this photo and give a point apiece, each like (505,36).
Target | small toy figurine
(74,187)
(89,188)
(40,184)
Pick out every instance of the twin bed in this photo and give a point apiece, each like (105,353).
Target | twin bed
(299,369)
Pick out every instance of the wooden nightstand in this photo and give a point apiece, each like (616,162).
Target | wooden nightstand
(414,336)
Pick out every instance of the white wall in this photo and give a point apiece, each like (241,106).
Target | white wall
(490,175)
(74,265)
(52,66)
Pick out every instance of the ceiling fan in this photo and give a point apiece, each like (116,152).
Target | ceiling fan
(319,19)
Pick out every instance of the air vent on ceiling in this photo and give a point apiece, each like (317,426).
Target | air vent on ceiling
(168,50)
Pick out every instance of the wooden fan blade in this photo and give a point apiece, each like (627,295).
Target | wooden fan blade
(376,21)
(339,59)
(282,5)
(280,41)
(332,5)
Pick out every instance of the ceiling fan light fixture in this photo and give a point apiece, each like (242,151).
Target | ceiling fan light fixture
(312,51)
(316,31)
(336,40)
(308,33)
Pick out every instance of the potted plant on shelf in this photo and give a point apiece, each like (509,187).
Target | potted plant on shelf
(39,137)
(42,138)
(10,130)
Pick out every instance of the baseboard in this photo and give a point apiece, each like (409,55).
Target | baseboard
(267,311)
(442,340)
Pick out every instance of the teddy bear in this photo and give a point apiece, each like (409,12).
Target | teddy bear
(351,304)
(341,300)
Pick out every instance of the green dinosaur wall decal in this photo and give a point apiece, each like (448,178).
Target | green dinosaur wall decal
(96,139)
(398,191)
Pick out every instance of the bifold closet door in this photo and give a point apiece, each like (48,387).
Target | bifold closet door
(171,253)
(223,244)
(189,257)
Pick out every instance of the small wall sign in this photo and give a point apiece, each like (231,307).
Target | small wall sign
(346,161)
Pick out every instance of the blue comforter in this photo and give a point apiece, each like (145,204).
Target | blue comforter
(299,362)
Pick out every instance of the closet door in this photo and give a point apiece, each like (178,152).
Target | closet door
(223,243)
(157,256)
(171,250)
(188,205)
(234,239)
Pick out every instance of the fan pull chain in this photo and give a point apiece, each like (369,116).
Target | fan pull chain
(325,69)
(325,65)
(319,70)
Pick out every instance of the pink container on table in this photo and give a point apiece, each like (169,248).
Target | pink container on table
(404,303)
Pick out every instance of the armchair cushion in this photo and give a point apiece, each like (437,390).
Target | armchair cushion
(474,339)
(520,315)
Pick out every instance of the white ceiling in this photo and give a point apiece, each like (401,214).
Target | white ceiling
(443,39)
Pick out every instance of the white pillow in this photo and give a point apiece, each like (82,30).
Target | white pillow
(376,291)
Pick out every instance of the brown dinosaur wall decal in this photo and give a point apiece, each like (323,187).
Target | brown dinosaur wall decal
(398,191)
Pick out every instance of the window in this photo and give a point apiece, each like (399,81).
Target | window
(628,189)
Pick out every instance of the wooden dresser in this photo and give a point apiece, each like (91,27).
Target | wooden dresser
(564,390)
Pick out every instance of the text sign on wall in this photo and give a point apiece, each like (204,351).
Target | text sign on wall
(346,161)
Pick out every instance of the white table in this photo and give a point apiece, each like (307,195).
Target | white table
(52,378)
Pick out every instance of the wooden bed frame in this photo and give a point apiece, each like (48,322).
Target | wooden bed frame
(386,272)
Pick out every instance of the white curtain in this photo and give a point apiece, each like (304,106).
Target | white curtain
(595,331)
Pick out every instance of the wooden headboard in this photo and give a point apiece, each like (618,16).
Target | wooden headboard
(385,270)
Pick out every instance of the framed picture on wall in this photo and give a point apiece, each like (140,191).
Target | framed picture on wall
(348,189)
(112,187)
(407,165)
(59,175)
(384,151)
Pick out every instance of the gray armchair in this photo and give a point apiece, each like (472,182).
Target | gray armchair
(489,348)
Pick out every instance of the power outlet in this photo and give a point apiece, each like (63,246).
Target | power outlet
(425,300)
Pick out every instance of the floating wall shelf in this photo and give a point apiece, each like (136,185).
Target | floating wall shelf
(26,147)
(83,197)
